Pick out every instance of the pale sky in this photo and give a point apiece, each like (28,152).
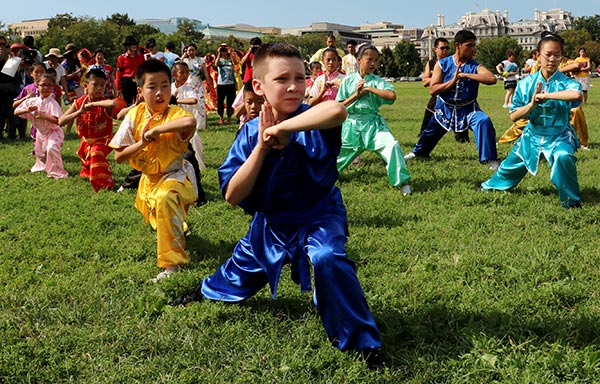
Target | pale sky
(281,13)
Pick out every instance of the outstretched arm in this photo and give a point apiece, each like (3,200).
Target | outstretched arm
(185,125)
(325,115)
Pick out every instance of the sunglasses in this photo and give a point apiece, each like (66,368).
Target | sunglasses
(444,48)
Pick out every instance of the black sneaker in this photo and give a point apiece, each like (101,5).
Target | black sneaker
(373,357)
(190,297)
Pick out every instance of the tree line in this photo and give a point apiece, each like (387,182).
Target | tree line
(403,59)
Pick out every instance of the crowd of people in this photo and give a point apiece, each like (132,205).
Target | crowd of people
(296,134)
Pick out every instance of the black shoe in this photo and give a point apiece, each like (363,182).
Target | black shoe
(373,357)
(575,205)
(190,297)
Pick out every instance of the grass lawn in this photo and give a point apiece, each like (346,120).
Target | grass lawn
(467,286)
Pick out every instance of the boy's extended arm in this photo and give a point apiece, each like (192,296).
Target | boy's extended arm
(70,114)
(188,101)
(185,124)
(325,115)
(73,112)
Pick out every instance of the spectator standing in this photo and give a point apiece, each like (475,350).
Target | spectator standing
(582,76)
(127,64)
(349,62)
(101,64)
(170,56)
(226,87)
(509,70)
(154,52)
(248,57)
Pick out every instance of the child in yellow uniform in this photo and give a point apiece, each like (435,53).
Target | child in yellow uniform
(154,137)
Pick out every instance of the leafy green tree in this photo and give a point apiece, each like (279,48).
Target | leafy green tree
(408,59)
(308,43)
(121,19)
(591,24)
(492,51)
(62,21)
(388,66)
(574,39)
(190,32)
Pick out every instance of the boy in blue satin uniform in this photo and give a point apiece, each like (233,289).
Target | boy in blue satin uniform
(282,170)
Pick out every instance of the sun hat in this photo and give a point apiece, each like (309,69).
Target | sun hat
(70,48)
(54,52)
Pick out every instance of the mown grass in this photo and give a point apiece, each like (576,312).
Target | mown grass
(467,286)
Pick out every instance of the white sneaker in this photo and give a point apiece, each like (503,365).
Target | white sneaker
(121,189)
(406,189)
(411,155)
(584,148)
(494,165)
(164,274)
(506,106)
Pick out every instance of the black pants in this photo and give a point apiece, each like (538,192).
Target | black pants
(225,92)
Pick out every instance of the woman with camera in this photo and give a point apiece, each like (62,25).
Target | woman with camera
(224,63)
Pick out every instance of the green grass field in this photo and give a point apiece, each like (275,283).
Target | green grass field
(467,286)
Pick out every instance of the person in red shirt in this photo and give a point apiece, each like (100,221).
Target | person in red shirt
(247,59)
(127,64)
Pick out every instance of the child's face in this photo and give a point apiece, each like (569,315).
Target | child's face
(330,59)
(181,74)
(368,61)
(252,104)
(94,87)
(550,55)
(315,70)
(36,72)
(156,91)
(45,87)
(99,57)
(283,85)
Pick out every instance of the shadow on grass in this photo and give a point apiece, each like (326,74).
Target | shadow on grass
(589,195)
(202,249)
(442,334)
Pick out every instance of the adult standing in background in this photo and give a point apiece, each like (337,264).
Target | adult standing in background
(170,56)
(197,67)
(509,70)
(28,41)
(318,56)
(127,64)
(224,63)
(8,91)
(529,63)
(349,62)
(154,52)
(582,76)
(248,57)
(53,61)
(73,72)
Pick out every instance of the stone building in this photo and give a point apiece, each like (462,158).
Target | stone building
(487,24)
